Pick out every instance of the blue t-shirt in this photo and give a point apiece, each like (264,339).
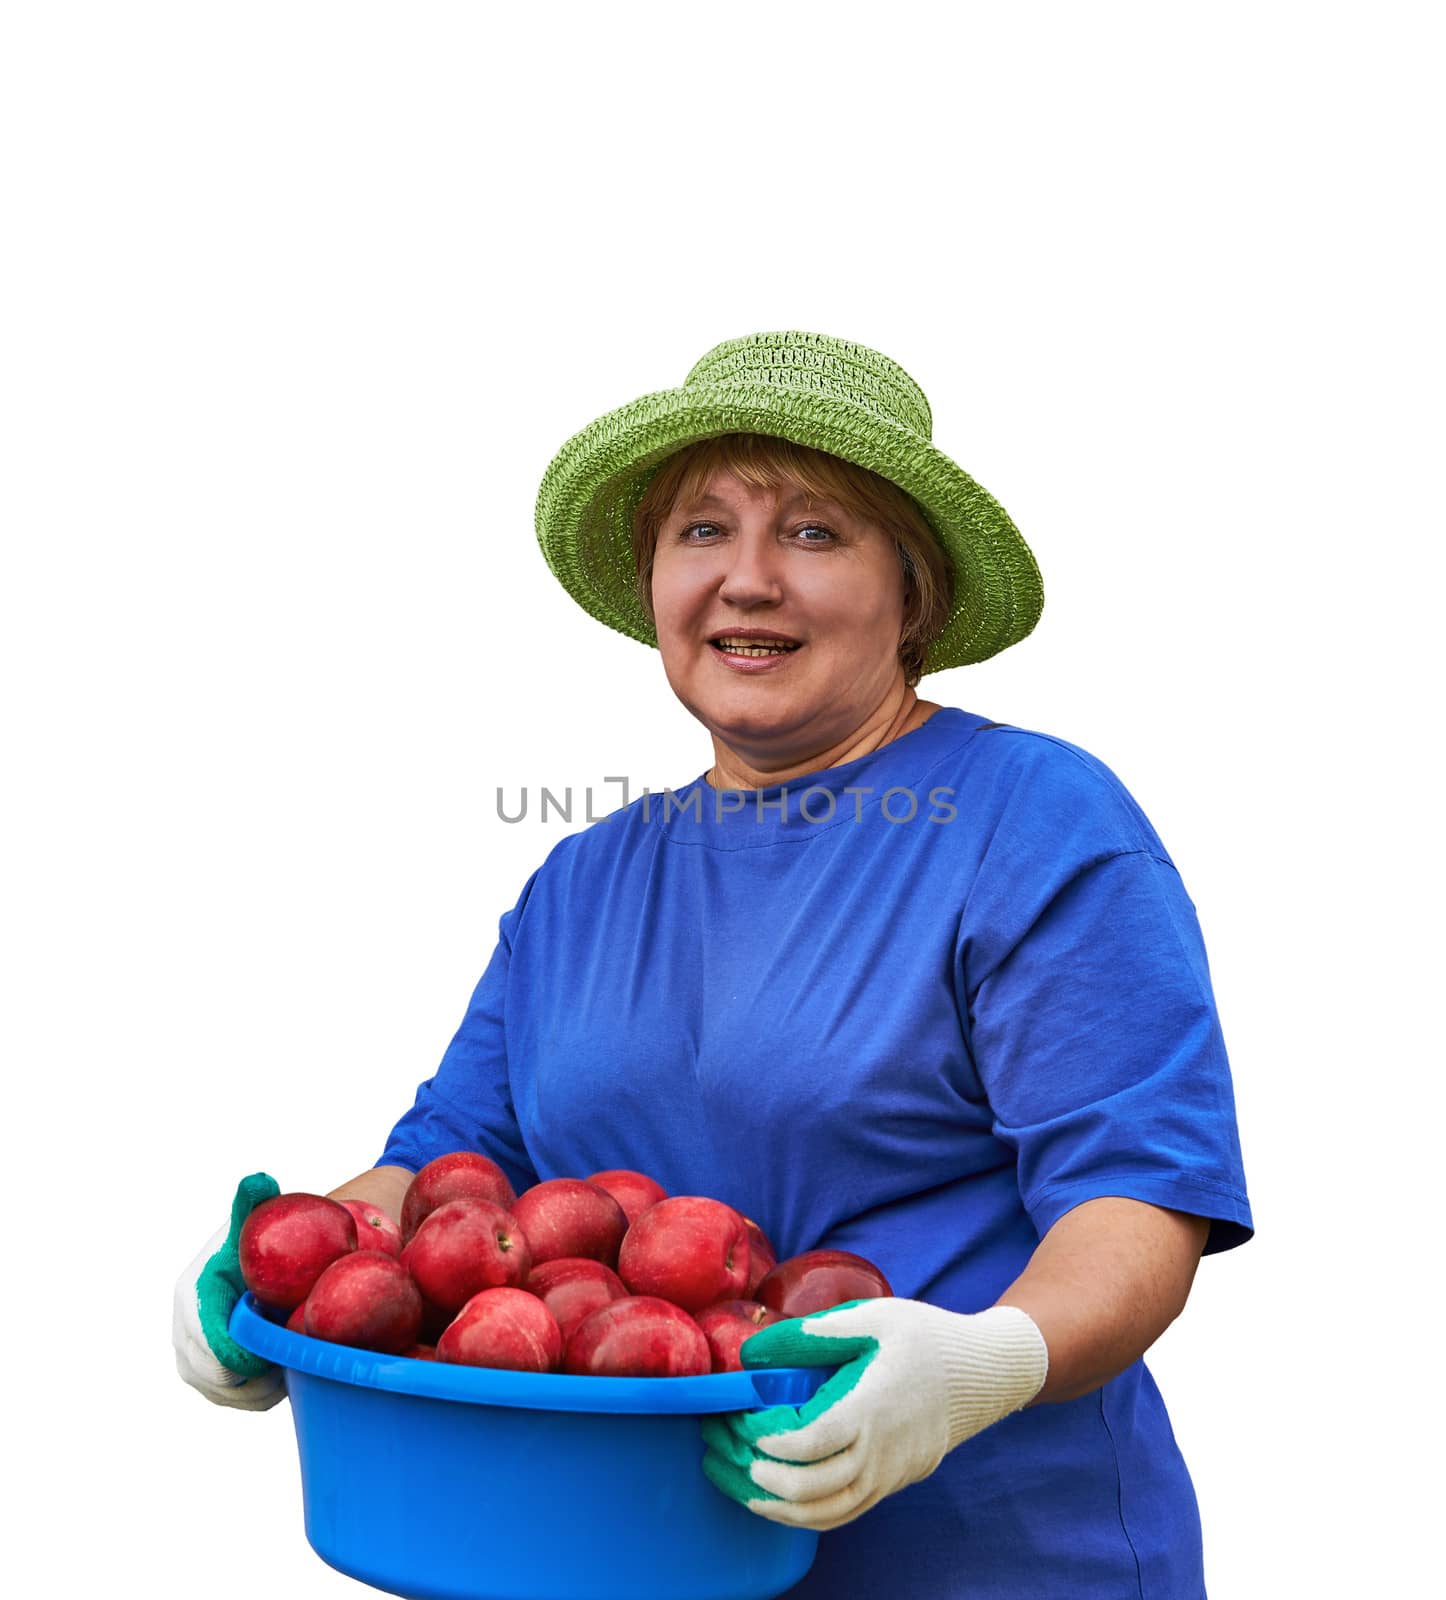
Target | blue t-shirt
(916,1006)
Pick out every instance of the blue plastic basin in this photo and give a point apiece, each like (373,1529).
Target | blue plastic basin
(443,1482)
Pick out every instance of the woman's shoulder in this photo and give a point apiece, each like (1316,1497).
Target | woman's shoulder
(601,839)
(1019,749)
(1037,778)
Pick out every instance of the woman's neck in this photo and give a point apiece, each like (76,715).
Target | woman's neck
(893,719)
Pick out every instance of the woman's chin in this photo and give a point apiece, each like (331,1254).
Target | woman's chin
(765,739)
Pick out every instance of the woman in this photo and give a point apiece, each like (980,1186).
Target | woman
(890,977)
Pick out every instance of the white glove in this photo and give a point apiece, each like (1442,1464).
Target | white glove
(915,1381)
(195,1359)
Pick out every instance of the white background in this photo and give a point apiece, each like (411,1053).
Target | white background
(301,300)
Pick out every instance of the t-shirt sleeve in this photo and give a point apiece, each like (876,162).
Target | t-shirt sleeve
(467,1103)
(1096,1039)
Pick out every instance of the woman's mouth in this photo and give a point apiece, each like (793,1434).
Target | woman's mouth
(737,647)
(751,655)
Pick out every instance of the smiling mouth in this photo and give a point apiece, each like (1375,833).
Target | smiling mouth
(771,648)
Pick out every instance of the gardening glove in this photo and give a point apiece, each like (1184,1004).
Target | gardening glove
(914,1380)
(207,1357)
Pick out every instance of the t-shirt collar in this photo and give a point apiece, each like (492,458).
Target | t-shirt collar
(809,804)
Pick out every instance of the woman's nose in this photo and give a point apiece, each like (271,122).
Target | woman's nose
(752,573)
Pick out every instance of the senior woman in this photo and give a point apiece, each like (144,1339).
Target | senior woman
(890,976)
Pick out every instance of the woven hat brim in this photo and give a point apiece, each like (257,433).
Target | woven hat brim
(591,490)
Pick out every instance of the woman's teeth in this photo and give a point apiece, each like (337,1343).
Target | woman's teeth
(741,648)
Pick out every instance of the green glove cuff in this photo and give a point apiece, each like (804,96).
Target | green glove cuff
(220,1286)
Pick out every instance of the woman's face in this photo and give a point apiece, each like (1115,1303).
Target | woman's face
(739,558)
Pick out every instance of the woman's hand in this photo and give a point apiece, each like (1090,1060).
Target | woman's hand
(914,1381)
(207,1357)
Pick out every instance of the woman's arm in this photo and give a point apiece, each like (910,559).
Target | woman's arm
(1100,1288)
(1103,1284)
(383,1187)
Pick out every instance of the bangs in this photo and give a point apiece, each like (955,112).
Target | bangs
(763,462)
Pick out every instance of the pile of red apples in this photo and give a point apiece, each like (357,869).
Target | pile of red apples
(606,1276)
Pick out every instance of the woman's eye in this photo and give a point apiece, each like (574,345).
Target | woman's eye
(700,533)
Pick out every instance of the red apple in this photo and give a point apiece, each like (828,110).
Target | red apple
(296,1322)
(727,1324)
(818,1279)
(375,1230)
(463,1247)
(422,1352)
(571,1288)
(762,1257)
(366,1299)
(288,1242)
(461,1175)
(567,1217)
(640,1337)
(687,1249)
(633,1191)
(503,1328)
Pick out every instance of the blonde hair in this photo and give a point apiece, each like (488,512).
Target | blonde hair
(764,462)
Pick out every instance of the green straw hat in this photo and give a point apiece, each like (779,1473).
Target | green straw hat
(827,394)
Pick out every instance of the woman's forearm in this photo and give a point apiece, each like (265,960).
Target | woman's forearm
(383,1187)
(1103,1284)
